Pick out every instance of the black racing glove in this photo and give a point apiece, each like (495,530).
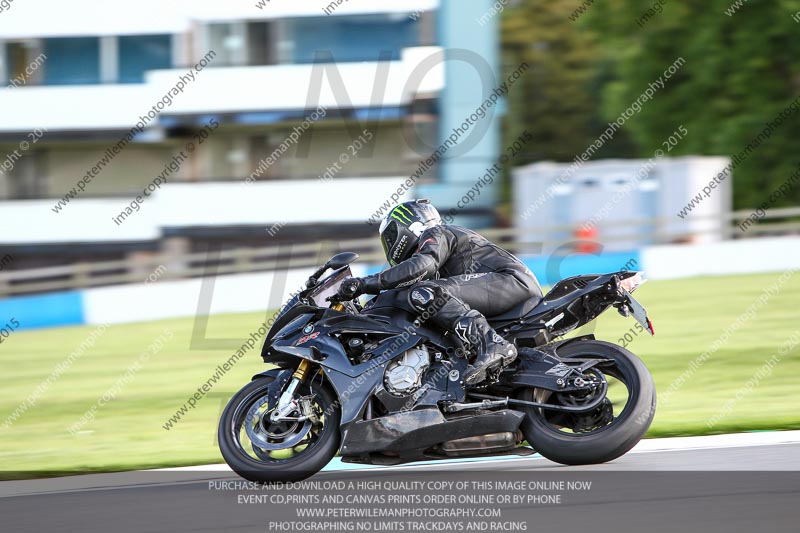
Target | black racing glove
(350,289)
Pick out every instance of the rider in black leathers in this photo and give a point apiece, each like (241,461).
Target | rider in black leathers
(455,275)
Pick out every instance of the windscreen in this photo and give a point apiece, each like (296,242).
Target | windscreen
(328,287)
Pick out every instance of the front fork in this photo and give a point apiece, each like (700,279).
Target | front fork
(288,404)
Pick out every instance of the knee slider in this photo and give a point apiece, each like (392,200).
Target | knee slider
(422,297)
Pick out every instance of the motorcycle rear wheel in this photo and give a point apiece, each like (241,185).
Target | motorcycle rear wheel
(579,446)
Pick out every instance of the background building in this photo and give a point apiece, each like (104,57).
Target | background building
(329,107)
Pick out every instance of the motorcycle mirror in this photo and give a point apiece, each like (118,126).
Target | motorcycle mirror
(342,260)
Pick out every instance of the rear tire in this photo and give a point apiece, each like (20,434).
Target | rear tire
(611,441)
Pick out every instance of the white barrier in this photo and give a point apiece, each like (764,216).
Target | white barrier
(236,293)
(261,203)
(746,256)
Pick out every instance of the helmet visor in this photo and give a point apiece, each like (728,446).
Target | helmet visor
(389,239)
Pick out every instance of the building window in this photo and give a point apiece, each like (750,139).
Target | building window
(259,44)
(24,63)
(140,53)
(28,180)
(261,164)
(228,41)
(72,60)
(356,38)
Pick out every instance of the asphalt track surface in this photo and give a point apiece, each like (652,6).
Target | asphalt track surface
(747,483)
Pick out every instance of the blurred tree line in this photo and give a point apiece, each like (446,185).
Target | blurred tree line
(741,71)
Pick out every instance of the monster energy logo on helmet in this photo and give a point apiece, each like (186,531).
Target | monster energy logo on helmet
(403,214)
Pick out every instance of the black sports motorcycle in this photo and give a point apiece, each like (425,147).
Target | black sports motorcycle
(379,386)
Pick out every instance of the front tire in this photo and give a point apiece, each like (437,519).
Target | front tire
(259,465)
(610,441)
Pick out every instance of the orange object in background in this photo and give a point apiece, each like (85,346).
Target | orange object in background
(587,240)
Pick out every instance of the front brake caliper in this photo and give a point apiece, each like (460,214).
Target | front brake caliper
(307,409)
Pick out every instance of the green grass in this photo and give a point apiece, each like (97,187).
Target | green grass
(689,315)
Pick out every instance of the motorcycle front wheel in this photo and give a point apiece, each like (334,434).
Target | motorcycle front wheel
(267,452)
(608,431)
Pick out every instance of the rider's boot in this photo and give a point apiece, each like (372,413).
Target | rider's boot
(493,351)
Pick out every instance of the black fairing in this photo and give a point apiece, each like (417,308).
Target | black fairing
(580,299)
(315,334)
(400,433)
(535,368)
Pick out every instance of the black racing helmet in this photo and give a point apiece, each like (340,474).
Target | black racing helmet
(401,228)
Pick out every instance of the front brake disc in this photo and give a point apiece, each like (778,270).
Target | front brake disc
(269,435)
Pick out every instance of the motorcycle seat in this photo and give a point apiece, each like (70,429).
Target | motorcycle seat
(518,311)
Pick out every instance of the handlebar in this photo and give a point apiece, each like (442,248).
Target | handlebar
(334,299)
